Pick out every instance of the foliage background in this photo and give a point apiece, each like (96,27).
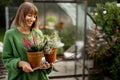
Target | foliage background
(110,24)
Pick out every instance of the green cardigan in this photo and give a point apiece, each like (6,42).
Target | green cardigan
(14,51)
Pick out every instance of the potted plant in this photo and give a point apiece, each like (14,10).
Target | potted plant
(61,25)
(51,22)
(34,49)
(52,43)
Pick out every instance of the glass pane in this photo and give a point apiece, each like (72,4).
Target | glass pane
(72,35)
(83,26)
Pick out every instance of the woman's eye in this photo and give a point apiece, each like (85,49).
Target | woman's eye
(35,16)
(30,15)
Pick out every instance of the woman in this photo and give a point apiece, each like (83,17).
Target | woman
(14,54)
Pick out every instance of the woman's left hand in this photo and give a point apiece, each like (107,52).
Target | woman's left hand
(47,65)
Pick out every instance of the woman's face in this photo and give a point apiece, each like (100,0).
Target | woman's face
(30,19)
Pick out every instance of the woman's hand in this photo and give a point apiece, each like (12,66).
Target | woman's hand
(25,66)
(47,65)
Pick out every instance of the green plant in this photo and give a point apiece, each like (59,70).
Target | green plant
(67,36)
(108,19)
(95,74)
(97,46)
(115,68)
(52,41)
(51,19)
(60,51)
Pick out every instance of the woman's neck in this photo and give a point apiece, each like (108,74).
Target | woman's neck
(24,30)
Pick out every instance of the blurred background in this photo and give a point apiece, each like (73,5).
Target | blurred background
(80,24)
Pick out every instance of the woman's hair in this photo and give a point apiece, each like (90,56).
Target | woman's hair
(23,10)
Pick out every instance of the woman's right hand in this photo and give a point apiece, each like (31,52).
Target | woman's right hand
(25,66)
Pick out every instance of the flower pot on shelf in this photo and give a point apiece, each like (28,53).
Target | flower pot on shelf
(50,58)
(61,25)
(35,58)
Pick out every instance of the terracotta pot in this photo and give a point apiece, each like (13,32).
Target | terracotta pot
(61,25)
(35,59)
(52,56)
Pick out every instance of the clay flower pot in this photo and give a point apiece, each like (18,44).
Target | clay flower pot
(61,25)
(50,58)
(35,59)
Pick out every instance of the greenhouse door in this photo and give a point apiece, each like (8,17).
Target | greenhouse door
(71,58)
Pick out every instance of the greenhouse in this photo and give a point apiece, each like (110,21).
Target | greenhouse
(87,45)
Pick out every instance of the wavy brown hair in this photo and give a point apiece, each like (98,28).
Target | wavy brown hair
(23,10)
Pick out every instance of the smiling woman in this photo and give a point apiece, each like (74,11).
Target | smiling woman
(24,26)
(30,18)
